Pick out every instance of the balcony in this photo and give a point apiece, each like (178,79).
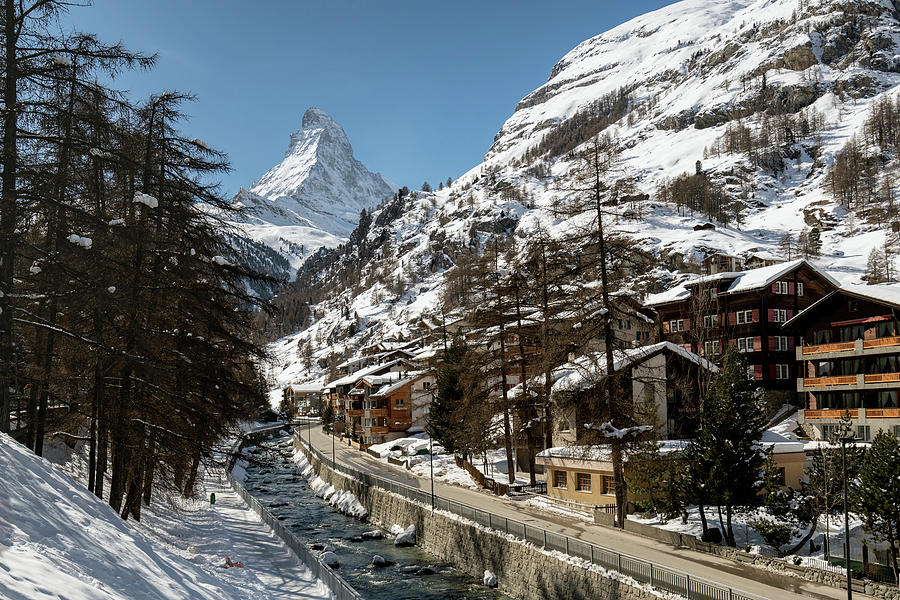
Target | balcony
(356,412)
(885,345)
(868,413)
(376,412)
(854,382)
(830,414)
(380,430)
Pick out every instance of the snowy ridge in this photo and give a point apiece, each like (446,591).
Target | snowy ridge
(691,70)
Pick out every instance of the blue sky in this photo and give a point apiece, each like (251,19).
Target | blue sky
(420,87)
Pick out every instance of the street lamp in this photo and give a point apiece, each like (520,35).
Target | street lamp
(844,442)
(332,447)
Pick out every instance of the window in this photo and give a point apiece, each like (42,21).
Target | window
(781,342)
(745,344)
(799,288)
(863,433)
(608,485)
(781,287)
(711,348)
(676,325)
(853,305)
(750,373)
(744,316)
(583,482)
(559,479)
(897,431)
(779,315)
(564,425)
(399,402)
(426,385)
(782,372)
(710,321)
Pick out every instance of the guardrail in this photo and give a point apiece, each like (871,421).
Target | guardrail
(338,586)
(642,571)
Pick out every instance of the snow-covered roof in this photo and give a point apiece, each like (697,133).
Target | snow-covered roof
(882,293)
(602,453)
(743,281)
(370,370)
(399,382)
(584,372)
(306,388)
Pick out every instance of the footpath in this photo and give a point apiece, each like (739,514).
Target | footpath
(755,581)
(232,528)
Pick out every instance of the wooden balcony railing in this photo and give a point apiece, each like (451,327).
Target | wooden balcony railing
(355,412)
(830,414)
(882,378)
(823,348)
(828,381)
(882,342)
(377,430)
(883,413)
(377,412)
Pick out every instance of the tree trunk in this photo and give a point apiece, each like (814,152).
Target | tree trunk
(703,522)
(192,477)
(8,208)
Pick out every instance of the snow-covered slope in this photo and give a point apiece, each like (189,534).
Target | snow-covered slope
(59,541)
(671,89)
(313,198)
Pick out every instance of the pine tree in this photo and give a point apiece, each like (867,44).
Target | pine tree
(732,421)
(876,491)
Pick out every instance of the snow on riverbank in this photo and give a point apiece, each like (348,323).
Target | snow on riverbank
(343,500)
(58,540)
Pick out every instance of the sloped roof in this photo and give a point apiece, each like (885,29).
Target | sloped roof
(743,281)
(370,370)
(888,294)
(584,372)
(411,377)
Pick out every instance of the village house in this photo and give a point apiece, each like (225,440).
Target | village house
(850,362)
(338,392)
(584,474)
(719,262)
(386,407)
(746,309)
(662,378)
(302,398)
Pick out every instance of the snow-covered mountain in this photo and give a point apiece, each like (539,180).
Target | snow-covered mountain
(312,198)
(754,99)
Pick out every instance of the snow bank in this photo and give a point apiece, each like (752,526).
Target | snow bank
(57,539)
(343,500)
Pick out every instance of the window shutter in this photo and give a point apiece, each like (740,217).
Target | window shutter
(789,314)
(687,324)
(790,343)
(732,342)
(791,288)
(757,372)
(771,315)
(665,327)
(771,371)
(732,318)
(775,288)
(771,343)
(757,344)
(756,315)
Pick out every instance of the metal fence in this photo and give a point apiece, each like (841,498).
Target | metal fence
(340,588)
(642,571)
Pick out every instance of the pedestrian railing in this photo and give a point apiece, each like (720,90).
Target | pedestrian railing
(642,571)
(338,586)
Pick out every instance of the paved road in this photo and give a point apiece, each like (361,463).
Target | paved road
(739,576)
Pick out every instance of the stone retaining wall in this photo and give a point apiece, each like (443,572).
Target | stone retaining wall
(523,571)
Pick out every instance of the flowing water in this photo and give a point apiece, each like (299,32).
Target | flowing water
(414,574)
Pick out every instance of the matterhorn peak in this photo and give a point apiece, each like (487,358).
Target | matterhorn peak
(315,195)
(316,118)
